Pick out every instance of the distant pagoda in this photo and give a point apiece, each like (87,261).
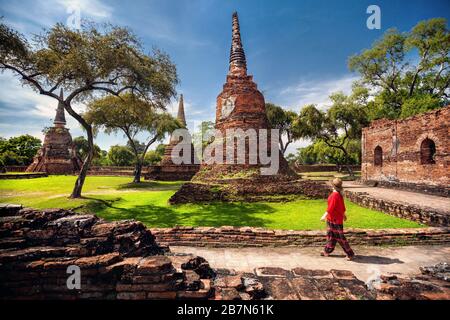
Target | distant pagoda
(57,155)
(168,170)
(167,158)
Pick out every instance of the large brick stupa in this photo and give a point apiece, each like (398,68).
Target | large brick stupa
(240,105)
(57,154)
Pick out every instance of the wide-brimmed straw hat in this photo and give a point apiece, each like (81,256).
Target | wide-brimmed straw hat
(337,184)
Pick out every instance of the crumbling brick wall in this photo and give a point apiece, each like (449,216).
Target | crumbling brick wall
(116,260)
(405,149)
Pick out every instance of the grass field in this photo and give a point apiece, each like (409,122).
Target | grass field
(115,198)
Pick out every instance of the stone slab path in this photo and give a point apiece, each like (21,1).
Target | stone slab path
(371,261)
(408,197)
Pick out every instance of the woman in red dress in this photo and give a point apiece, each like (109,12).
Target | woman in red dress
(335,216)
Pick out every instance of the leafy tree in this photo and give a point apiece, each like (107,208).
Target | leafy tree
(338,126)
(319,153)
(306,155)
(19,150)
(419,104)
(100,60)
(138,145)
(131,115)
(282,120)
(326,154)
(201,137)
(10,158)
(102,159)
(120,156)
(291,158)
(153,157)
(25,146)
(82,148)
(405,68)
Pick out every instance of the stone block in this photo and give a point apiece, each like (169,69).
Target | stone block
(154,265)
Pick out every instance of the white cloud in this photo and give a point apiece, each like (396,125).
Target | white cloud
(307,91)
(314,91)
(36,111)
(25,100)
(92,8)
(31,17)
(292,148)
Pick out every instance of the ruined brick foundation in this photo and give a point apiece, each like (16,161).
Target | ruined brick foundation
(122,260)
(270,188)
(236,237)
(117,260)
(172,172)
(421,214)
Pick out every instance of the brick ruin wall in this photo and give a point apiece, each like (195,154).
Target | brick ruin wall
(117,260)
(228,236)
(422,214)
(322,168)
(122,260)
(16,168)
(172,172)
(13,176)
(401,158)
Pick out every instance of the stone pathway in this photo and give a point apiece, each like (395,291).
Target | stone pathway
(408,197)
(371,261)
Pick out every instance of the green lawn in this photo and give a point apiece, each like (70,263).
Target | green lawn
(115,198)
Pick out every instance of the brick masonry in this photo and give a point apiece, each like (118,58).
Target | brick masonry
(23,176)
(117,260)
(57,155)
(259,237)
(422,214)
(171,172)
(121,260)
(403,150)
(322,168)
(16,168)
(240,106)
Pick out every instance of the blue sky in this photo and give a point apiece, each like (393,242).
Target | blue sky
(297,51)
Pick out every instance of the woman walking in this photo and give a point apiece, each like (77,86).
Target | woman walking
(335,217)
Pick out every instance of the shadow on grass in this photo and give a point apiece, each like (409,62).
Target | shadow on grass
(151,185)
(96,204)
(208,215)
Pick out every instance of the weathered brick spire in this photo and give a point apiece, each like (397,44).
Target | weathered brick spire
(180,116)
(238,63)
(60,118)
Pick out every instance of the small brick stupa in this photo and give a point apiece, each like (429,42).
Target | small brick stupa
(58,154)
(168,170)
(240,105)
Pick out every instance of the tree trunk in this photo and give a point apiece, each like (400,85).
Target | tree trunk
(76,193)
(350,170)
(137,172)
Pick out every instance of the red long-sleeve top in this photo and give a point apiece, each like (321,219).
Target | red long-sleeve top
(336,208)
